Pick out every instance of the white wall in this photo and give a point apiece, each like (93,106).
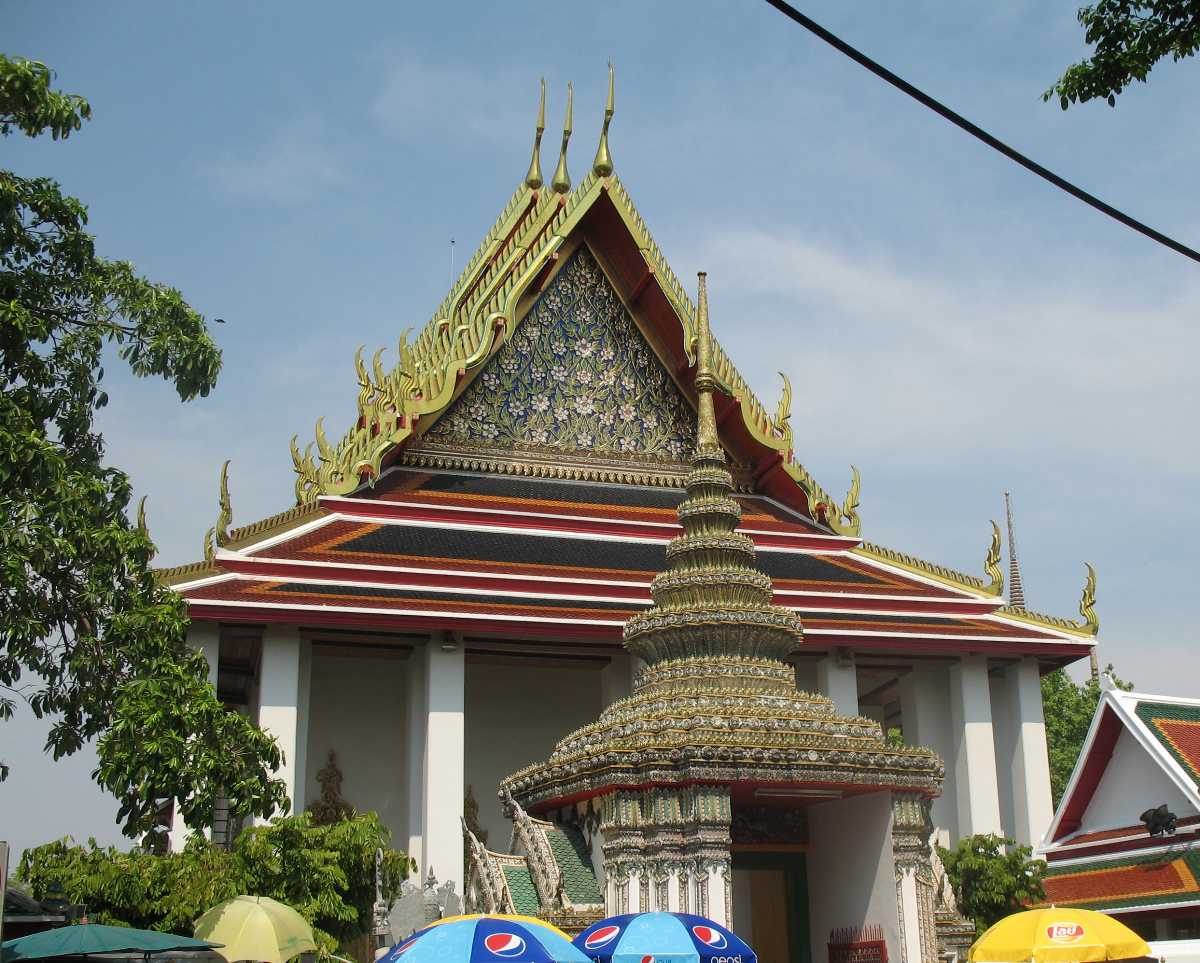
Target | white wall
(515,713)
(357,708)
(1132,783)
(925,715)
(851,880)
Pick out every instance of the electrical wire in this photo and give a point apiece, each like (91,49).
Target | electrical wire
(978,132)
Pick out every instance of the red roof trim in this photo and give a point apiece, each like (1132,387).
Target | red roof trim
(1108,730)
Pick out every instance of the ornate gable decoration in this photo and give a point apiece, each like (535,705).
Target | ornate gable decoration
(576,376)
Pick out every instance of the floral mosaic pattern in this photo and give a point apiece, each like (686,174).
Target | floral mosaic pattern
(577,375)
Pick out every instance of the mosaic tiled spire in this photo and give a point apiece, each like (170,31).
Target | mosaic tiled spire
(711,601)
(1016,592)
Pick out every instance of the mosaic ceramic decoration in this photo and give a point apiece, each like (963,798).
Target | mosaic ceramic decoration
(577,375)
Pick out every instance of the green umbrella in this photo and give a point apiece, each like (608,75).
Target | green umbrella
(87,938)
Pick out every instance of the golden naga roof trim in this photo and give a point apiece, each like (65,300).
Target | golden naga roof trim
(1090,622)
(991,565)
(939,573)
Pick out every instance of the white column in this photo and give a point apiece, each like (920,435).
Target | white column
(1032,808)
(415,745)
(445,781)
(282,707)
(206,637)
(974,748)
(838,679)
(925,716)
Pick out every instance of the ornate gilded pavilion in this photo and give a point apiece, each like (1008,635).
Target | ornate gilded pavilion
(535,507)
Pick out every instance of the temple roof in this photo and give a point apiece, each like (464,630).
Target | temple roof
(1146,749)
(485,349)
(558,558)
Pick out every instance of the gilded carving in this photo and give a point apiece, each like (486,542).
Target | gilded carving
(991,565)
(1090,623)
(576,376)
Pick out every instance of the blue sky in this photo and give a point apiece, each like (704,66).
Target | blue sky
(952,325)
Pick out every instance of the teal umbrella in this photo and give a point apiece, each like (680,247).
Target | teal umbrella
(87,938)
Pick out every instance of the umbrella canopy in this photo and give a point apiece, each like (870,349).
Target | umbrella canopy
(256,928)
(485,939)
(668,937)
(87,938)
(1057,936)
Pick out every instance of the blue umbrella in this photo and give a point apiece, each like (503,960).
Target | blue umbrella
(662,938)
(484,939)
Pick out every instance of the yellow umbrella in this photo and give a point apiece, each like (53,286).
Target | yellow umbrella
(1051,935)
(256,928)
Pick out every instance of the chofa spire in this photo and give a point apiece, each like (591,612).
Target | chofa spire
(1016,592)
(711,602)
(533,179)
(602,166)
(561,182)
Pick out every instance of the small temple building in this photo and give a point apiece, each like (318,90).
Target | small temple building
(579,625)
(1125,837)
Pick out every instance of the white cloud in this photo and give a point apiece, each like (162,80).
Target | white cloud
(961,364)
(294,161)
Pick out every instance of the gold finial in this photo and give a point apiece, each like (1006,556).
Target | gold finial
(225,515)
(602,166)
(1086,603)
(706,427)
(143,527)
(783,416)
(991,565)
(850,506)
(561,182)
(533,179)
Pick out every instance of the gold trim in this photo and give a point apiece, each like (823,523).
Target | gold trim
(561,182)
(991,564)
(939,573)
(293,517)
(1090,623)
(185,573)
(533,178)
(225,506)
(1044,621)
(602,166)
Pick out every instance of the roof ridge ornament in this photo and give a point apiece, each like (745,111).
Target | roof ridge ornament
(1087,602)
(1016,592)
(225,516)
(533,179)
(991,565)
(561,183)
(602,166)
(144,528)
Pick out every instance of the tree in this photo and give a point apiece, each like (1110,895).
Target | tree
(992,877)
(1130,37)
(88,637)
(1068,709)
(325,872)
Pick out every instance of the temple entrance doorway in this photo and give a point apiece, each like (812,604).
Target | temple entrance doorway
(770,904)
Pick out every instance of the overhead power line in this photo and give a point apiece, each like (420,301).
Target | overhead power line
(978,132)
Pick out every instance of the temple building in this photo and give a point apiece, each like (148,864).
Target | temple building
(579,625)
(1124,837)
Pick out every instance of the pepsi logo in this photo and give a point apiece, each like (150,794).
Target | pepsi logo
(602,937)
(1065,932)
(504,944)
(647,959)
(710,937)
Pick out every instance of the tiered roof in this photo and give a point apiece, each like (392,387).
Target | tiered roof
(454,502)
(1098,865)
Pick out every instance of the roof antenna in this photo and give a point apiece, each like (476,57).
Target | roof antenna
(602,166)
(533,179)
(562,180)
(1016,593)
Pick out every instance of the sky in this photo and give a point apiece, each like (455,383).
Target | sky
(952,325)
